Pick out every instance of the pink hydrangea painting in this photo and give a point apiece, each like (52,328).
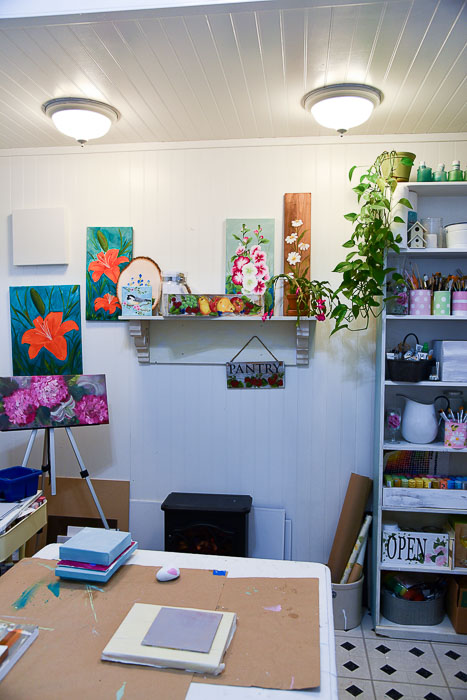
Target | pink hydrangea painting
(55,401)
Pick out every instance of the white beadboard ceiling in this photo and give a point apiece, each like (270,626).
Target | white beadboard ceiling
(238,70)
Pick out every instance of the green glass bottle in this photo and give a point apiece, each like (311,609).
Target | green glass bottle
(455,174)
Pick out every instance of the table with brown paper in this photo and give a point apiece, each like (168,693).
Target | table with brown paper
(284,638)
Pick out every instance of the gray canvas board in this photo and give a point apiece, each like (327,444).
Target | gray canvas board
(188,630)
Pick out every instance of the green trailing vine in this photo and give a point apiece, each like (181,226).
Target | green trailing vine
(360,293)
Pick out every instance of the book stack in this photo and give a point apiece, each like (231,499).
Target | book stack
(94,554)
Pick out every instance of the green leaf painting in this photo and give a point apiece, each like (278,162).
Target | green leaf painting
(108,252)
(46,330)
(249,255)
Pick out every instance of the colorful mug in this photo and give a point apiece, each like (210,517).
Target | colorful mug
(455,434)
(459,303)
(442,303)
(420,302)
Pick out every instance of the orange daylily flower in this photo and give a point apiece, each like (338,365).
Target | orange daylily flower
(108,302)
(49,333)
(107,264)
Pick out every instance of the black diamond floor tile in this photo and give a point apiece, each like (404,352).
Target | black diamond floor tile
(394,694)
(348,646)
(453,655)
(351,666)
(461,676)
(382,649)
(432,696)
(388,669)
(424,672)
(416,651)
(354,690)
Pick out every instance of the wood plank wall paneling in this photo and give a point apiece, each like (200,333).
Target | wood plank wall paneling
(176,428)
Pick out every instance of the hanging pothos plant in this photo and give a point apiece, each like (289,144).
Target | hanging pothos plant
(360,294)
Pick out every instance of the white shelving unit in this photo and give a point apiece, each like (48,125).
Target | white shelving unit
(447,200)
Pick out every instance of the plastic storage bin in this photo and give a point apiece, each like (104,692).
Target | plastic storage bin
(409,371)
(412,612)
(18,482)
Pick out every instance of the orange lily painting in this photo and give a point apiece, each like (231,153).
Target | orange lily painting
(108,252)
(46,330)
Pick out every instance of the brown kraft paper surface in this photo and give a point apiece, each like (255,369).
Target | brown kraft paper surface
(276,643)
(64,661)
(270,648)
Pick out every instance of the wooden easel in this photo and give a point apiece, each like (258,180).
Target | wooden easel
(48,464)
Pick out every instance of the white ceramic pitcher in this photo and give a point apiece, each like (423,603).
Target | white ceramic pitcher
(419,420)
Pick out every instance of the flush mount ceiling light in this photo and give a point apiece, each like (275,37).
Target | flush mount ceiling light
(81,118)
(342,106)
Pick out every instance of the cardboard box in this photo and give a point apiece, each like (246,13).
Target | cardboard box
(459,525)
(456,603)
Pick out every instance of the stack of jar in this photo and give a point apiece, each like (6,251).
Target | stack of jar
(455,174)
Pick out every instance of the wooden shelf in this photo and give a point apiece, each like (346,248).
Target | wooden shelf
(139,329)
(389,382)
(408,317)
(438,189)
(424,447)
(430,253)
(444,632)
(385,566)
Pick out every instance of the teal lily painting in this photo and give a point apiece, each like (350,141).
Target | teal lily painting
(108,252)
(46,330)
(249,254)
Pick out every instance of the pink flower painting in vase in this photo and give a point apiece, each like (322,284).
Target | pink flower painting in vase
(393,424)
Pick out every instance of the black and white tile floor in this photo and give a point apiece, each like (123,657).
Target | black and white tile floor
(370,667)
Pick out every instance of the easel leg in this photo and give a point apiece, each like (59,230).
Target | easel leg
(51,441)
(32,437)
(85,475)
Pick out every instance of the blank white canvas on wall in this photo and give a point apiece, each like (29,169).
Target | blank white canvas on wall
(40,236)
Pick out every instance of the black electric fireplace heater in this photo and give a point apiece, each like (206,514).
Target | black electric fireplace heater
(206,523)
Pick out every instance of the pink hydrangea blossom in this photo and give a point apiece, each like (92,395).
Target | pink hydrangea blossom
(48,391)
(91,410)
(20,407)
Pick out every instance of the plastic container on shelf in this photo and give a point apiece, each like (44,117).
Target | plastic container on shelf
(412,612)
(18,482)
(409,371)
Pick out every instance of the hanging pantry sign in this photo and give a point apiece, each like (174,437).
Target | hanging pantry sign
(263,374)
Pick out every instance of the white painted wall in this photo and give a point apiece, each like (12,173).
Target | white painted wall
(176,428)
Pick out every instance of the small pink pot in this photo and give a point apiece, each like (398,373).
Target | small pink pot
(420,302)
(459,303)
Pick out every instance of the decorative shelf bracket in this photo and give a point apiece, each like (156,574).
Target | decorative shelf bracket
(303,343)
(139,331)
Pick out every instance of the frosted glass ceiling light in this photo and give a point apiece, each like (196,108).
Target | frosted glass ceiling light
(80,118)
(342,106)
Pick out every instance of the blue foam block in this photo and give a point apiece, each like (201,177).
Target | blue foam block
(94,545)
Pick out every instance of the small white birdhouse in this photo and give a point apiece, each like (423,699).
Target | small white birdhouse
(415,236)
